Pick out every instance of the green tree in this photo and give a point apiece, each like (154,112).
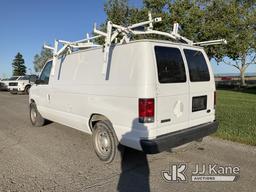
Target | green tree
(117,11)
(41,59)
(156,6)
(18,65)
(190,16)
(236,22)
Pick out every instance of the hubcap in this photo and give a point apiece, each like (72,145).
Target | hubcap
(103,142)
(33,114)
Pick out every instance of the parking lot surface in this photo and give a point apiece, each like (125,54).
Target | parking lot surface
(59,158)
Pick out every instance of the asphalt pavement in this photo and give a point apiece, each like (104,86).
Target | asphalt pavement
(59,158)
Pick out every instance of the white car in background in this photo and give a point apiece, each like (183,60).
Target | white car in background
(22,84)
(3,85)
(5,82)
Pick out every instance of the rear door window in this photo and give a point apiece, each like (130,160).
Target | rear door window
(198,69)
(170,65)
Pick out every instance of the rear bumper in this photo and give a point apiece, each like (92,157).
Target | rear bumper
(178,138)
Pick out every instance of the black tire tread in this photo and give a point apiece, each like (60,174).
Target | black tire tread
(26,91)
(40,121)
(118,149)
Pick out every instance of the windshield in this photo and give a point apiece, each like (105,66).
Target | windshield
(13,78)
(24,78)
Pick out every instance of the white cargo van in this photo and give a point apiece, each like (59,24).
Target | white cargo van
(155,95)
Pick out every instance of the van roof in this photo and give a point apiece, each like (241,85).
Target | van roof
(143,40)
(137,41)
(162,41)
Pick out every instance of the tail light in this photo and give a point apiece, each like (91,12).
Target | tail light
(215,99)
(146,110)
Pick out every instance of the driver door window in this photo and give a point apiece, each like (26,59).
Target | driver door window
(45,75)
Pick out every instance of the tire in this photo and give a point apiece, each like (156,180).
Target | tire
(105,143)
(26,91)
(35,117)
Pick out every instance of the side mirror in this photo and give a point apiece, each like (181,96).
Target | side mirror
(39,81)
(32,79)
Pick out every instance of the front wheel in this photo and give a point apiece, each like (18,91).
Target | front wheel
(26,91)
(35,117)
(105,143)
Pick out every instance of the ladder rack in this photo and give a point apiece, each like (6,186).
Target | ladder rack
(114,31)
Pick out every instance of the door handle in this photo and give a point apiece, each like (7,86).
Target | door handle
(48,97)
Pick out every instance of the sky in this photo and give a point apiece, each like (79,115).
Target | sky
(25,25)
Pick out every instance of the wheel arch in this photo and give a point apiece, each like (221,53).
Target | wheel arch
(95,117)
(32,101)
(28,85)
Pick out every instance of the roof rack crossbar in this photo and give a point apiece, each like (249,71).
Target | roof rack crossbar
(212,42)
(114,31)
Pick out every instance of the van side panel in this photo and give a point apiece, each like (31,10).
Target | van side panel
(80,90)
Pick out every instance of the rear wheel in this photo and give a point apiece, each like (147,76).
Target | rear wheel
(35,117)
(105,143)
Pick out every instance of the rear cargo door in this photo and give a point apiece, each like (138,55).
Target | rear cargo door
(172,101)
(201,87)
